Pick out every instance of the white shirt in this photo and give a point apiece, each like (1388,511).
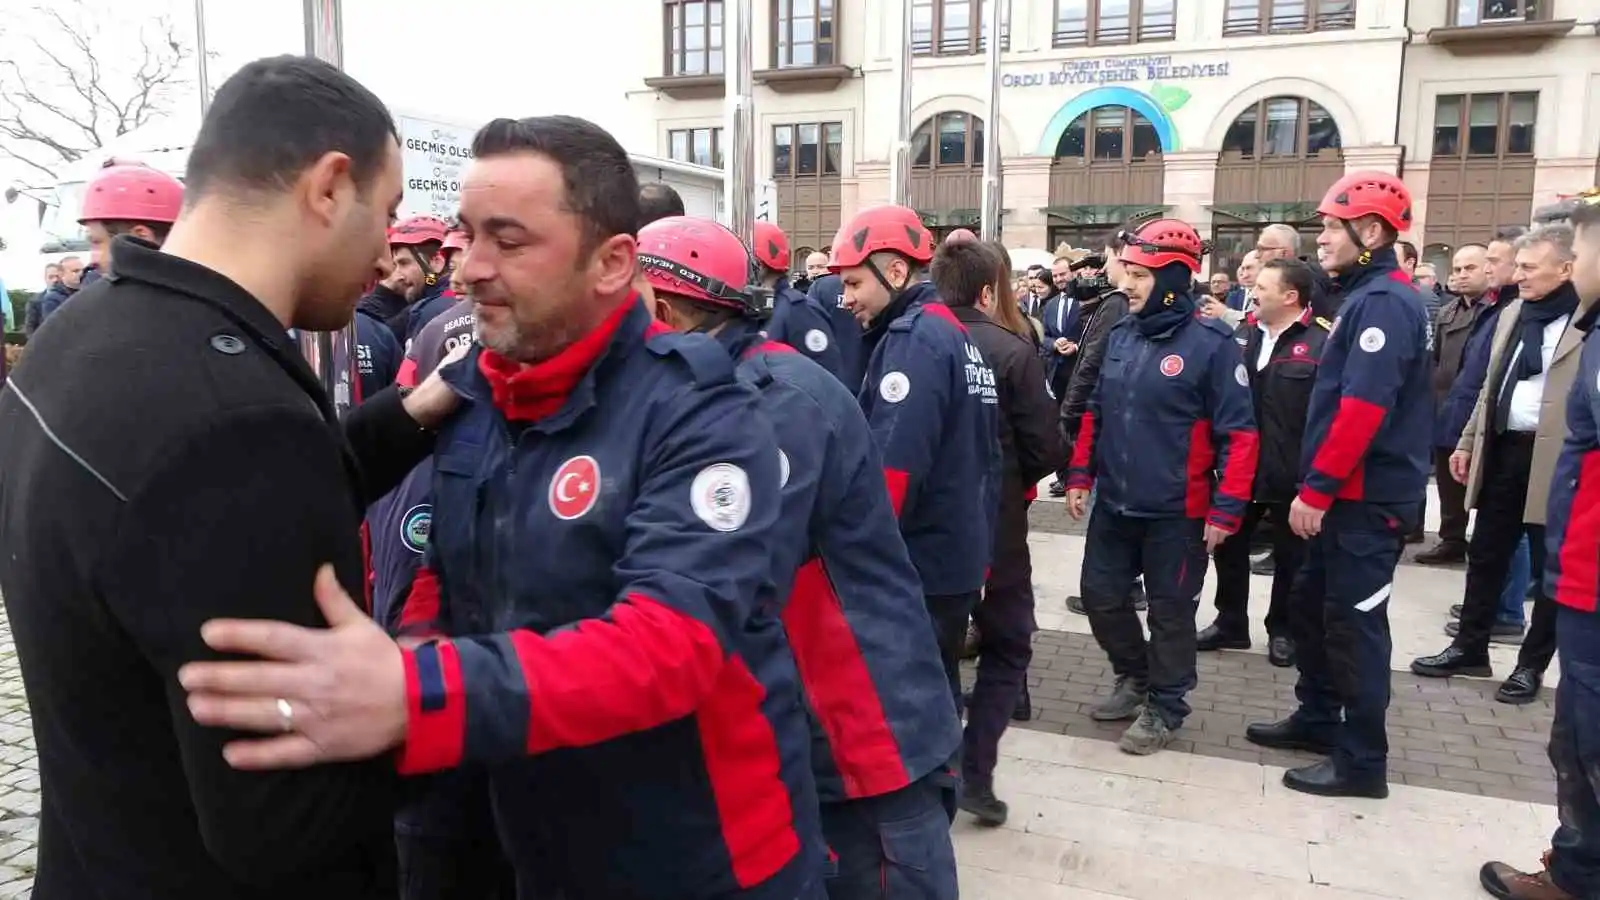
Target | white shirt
(1269,342)
(1526,394)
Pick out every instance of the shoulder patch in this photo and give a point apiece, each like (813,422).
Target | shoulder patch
(720,496)
(414,527)
(1324,323)
(816,341)
(709,363)
(894,387)
(1372,339)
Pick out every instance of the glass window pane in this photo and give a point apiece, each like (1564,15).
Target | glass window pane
(1483,125)
(1282,130)
(1242,17)
(977,141)
(922,146)
(1289,15)
(922,26)
(956,34)
(1322,133)
(782,151)
(1146,143)
(807,157)
(833,146)
(680,145)
(714,63)
(694,14)
(1158,20)
(1071,145)
(702,146)
(1336,14)
(1072,21)
(1109,124)
(1520,121)
(1447,125)
(716,148)
(1241,135)
(1115,25)
(716,14)
(953,139)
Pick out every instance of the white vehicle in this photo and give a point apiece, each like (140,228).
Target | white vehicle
(434,154)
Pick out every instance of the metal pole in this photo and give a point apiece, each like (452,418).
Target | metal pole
(200,54)
(740,181)
(332,354)
(991,128)
(900,170)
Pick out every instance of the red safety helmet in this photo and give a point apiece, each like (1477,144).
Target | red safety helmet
(771,247)
(1369,194)
(697,259)
(456,240)
(1161,242)
(132,192)
(418,230)
(897,229)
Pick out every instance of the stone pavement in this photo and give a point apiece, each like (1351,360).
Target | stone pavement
(19,777)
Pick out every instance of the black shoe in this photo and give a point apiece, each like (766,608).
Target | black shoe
(1140,602)
(1075,605)
(1288,734)
(1507,633)
(1266,565)
(1453,661)
(1324,780)
(1211,638)
(1416,537)
(1522,687)
(1280,652)
(982,803)
(1057,489)
(1024,709)
(1455,610)
(1447,553)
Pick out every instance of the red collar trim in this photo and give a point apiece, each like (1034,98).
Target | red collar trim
(526,392)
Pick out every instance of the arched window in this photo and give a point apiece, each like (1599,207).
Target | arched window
(1282,128)
(959,143)
(1112,135)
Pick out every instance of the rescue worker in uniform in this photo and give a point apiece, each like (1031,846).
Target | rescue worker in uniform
(1282,341)
(629,685)
(931,400)
(883,731)
(1572,865)
(828,291)
(1170,411)
(964,273)
(1364,465)
(422,262)
(132,199)
(797,319)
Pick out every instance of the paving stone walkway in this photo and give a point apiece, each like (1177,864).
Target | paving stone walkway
(19,777)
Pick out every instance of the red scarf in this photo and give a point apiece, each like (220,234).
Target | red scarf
(525,392)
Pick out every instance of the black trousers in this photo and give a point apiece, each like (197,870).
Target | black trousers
(1005,641)
(1232,559)
(950,614)
(1452,499)
(1539,644)
(1495,535)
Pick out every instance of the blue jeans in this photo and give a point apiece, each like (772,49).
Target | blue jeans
(1515,593)
(1575,753)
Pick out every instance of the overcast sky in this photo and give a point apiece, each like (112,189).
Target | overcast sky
(463,60)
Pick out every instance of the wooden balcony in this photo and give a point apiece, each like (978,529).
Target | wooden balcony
(1276,179)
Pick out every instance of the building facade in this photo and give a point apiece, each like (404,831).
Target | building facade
(1226,113)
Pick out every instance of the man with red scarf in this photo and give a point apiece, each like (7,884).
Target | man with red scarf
(605,505)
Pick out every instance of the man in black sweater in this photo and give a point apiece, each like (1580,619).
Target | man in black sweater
(172,459)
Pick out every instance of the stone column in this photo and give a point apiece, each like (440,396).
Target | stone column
(1382,158)
(1026,192)
(1190,185)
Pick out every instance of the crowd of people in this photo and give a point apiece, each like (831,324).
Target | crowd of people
(638,571)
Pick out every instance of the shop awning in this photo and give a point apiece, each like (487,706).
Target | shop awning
(1266,213)
(1102,214)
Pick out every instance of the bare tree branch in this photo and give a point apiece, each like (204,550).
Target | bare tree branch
(69,93)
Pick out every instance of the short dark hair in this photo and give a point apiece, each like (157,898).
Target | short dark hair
(602,189)
(1112,240)
(658,201)
(1296,275)
(1508,234)
(119,226)
(1407,250)
(1585,215)
(960,271)
(276,117)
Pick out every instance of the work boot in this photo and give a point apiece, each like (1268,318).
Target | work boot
(1265,565)
(1289,734)
(1075,605)
(1213,638)
(1447,553)
(1024,710)
(980,801)
(1280,651)
(1502,881)
(1057,488)
(1124,702)
(1452,661)
(1455,610)
(1509,633)
(1148,734)
(1323,779)
(1522,687)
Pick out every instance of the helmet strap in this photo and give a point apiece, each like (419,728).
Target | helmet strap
(894,293)
(430,277)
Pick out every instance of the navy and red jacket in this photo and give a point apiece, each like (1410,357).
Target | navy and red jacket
(1370,422)
(828,291)
(882,714)
(1169,412)
(802,323)
(399,522)
(931,401)
(1572,567)
(601,553)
